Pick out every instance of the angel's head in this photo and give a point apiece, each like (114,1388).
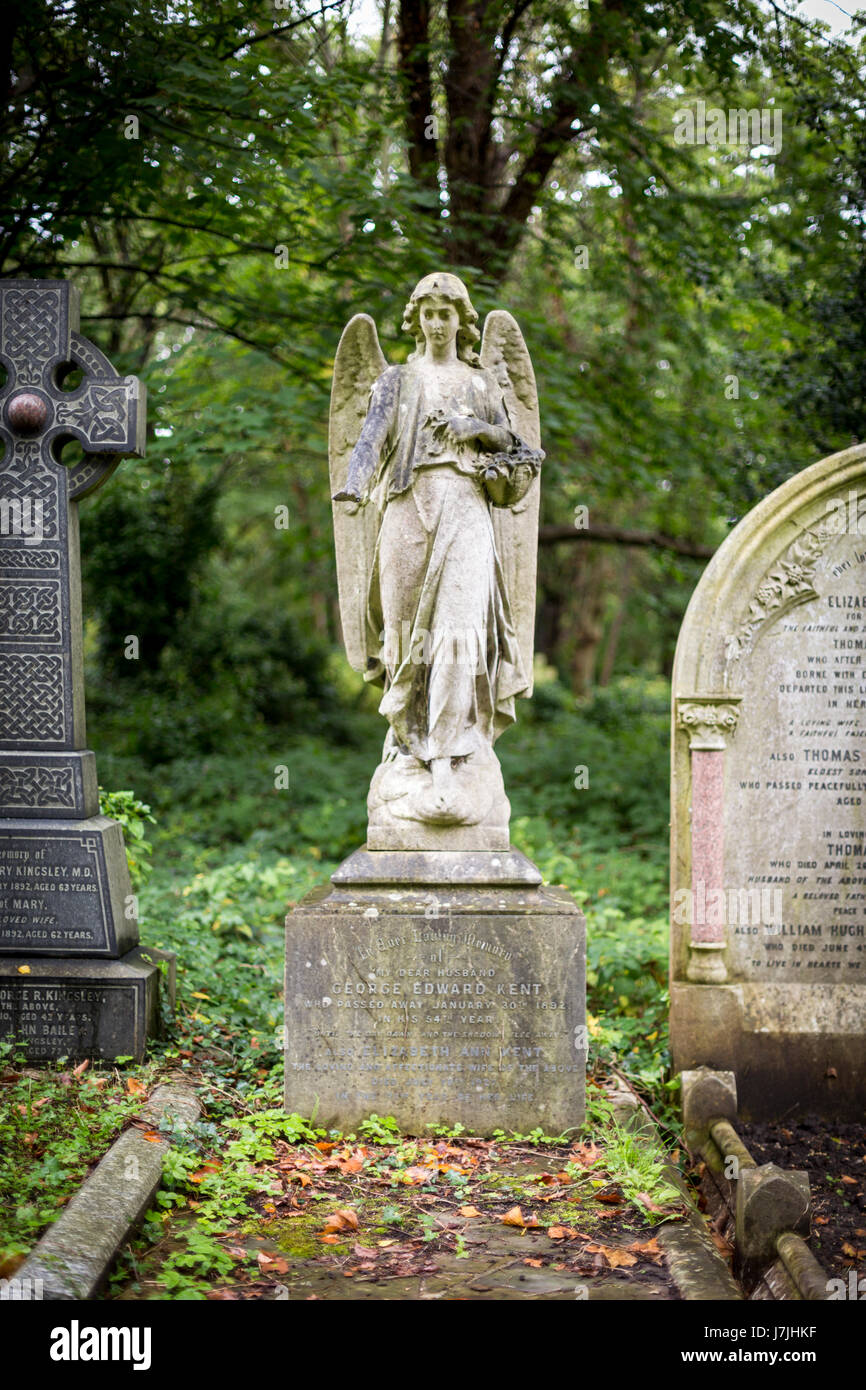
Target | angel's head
(425,314)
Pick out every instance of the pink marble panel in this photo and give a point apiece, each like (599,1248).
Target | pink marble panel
(708,844)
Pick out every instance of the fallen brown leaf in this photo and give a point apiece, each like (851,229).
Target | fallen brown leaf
(353,1163)
(646,1247)
(469,1211)
(586,1154)
(515,1217)
(343,1220)
(723,1246)
(414,1175)
(206,1170)
(614,1254)
(616,1258)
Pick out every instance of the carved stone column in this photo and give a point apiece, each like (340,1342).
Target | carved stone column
(709,720)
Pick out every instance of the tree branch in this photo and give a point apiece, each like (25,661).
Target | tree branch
(580,76)
(280,29)
(413,46)
(203,327)
(619,535)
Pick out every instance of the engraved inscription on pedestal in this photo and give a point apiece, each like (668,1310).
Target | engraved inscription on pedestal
(56,1019)
(475,1016)
(79,1008)
(64,889)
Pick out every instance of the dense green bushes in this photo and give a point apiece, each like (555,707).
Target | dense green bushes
(236,789)
(244,831)
(620,738)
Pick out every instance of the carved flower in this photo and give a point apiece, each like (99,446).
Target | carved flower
(797,576)
(769,593)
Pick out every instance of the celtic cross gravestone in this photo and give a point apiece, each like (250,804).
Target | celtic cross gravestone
(64,882)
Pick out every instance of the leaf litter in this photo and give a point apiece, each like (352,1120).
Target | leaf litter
(465,1219)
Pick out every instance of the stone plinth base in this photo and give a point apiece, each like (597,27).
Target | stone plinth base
(64,888)
(83,1008)
(794,1049)
(409,868)
(456,995)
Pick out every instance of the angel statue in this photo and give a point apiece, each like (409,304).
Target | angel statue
(434,477)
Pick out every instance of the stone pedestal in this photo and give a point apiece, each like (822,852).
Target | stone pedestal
(83,1008)
(65,889)
(438,988)
(73,982)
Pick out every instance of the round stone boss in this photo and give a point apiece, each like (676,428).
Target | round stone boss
(27,412)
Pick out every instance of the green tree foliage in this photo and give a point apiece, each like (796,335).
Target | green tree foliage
(256,175)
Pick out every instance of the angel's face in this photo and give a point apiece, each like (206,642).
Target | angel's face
(440,323)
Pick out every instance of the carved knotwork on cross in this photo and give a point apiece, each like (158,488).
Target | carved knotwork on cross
(41,681)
